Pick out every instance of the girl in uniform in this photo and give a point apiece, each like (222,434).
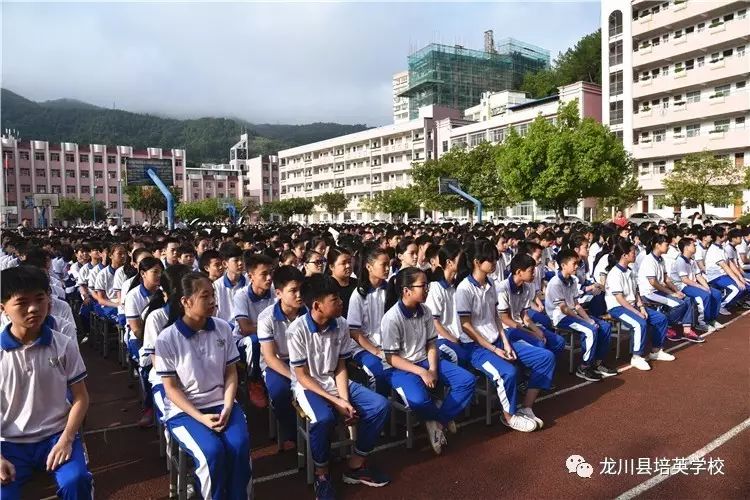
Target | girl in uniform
(340,260)
(314,263)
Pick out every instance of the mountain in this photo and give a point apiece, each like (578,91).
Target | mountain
(206,140)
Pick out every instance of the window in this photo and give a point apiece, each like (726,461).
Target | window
(38,156)
(615,113)
(25,171)
(615,23)
(111,175)
(739,122)
(70,157)
(98,174)
(97,158)
(693,130)
(84,174)
(54,157)
(56,189)
(41,189)
(178,163)
(615,53)
(23,155)
(231,185)
(111,159)
(722,90)
(55,172)
(178,177)
(195,185)
(85,189)
(476,139)
(113,205)
(99,190)
(498,135)
(741,51)
(693,96)
(721,125)
(689,65)
(10,188)
(645,168)
(727,53)
(615,83)
(40,172)
(742,14)
(70,190)
(25,188)
(83,158)
(112,189)
(659,135)
(522,129)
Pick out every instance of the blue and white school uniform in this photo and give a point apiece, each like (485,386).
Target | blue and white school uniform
(247,305)
(225,291)
(594,338)
(732,255)
(320,349)
(61,310)
(120,287)
(718,278)
(620,281)
(440,301)
(479,303)
(538,317)
(679,311)
(365,314)
(708,301)
(199,360)
(700,255)
(272,327)
(408,333)
(594,304)
(103,282)
(154,324)
(34,381)
(136,303)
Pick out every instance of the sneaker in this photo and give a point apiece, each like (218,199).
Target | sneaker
(717,325)
(706,327)
(661,355)
(529,413)
(639,362)
(147,419)
(745,305)
(673,335)
(257,394)
(369,476)
(723,311)
(452,427)
(435,435)
(604,370)
(701,328)
(588,373)
(324,488)
(693,337)
(519,423)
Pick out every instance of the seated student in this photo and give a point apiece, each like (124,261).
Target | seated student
(409,344)
(137,298)
(592,296)
(734,239)
(424,242)
(104,290)
(169,254)
(195,359)
(314,263)
(440,301)
(340,266)
(233,280)
(561,304)
(535,347)
(318,348)
(273,322)
(721,275)
(489,349)
(624,303)
(40,366)
(407,255)
(702,243)
(743,252)
(688,278)
(536,307)
(655,286)
(186,255)
(212,264)
(501,267)
(249,302)
(366,309)
(124,276)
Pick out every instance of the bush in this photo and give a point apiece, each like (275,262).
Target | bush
(744,220)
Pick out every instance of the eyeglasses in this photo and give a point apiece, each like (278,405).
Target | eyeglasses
(418,286)
(317,262)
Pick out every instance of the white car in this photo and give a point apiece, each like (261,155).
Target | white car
(715,219)
(640,218)
(570,219)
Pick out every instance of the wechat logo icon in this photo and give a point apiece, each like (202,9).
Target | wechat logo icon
(578,464)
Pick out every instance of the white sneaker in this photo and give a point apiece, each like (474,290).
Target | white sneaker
(639,362)
(520,423)
(705,326)
(723,311)
(661,355)
(717,325)
(435,435)
(529,413)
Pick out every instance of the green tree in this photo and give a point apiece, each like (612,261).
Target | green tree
(334,202)
(69,210)
(87,211)
(630,192)
(301,206)
(149,200)
(370,204)
(558,164)
(207,210)
(703,178)
(398,201)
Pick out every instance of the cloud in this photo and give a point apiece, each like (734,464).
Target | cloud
(264,62)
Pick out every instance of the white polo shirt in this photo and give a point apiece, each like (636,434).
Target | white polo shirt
(742,250)
(683,268)
(105,280)
(731,252)
(83,274)
(700,252)
(93,273)
(441,302)
(594,250)
(272,327)
(152,327)
(651,267)
(479,302)
(514,299)
(61,310)
(249,306)
(561,291)
(33,384)
(407,332)
(198,360)
(225,296)
(714,256)
(638,259)
(124,289)
(670,257)
(56,324)
(120,278)
(620,281)
(499,274)
(366,314)
(600,271)
(318,349)
(75,269)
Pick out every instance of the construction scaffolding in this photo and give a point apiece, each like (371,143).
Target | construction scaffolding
(455,76)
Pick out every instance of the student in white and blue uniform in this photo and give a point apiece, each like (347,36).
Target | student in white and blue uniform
(719,274)
(366,309)
(274,362)
(592,292)
(195,358)
(104,289)
(562,306)
(624,303)
(440,301)
(232,281)
(409,344)
(38,368)
(489,349)
(689,279)
(318,349)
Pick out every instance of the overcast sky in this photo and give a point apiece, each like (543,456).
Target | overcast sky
(263,62)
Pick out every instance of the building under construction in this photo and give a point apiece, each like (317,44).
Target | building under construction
(455,76)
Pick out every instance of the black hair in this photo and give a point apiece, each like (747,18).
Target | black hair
(717,232)
(621,247)
(230,250)
(145,264)
(333,254)
(187,288)
(521,262)
(402,279)
(316,287)
(363,276)
(566,255)
(185,248)
(684,242)
(401,248)
(253,260)
(37,257)
(734,233)
(448,251)
(172,288)
(23,279)
(286,274)
(658,239)
(206,258)
(481,250)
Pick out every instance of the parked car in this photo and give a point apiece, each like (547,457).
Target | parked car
(415,220)
(502,219)
(570,219)
(378,221)
(640,218)
(715,219)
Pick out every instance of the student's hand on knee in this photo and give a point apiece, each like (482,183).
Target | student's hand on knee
(429,378)
(346,409)
(59,454)
(7,472)
(210,420)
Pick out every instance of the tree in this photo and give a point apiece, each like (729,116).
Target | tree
(558,164)
(702,178)
(630,192)
(301,206)
(334,202)
(149,200)
(207,210)
(370,204)
(398,201)
(72,210)
(87,211)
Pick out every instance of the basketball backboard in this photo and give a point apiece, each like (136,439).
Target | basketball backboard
(444,182)
(136,171)
(46,200)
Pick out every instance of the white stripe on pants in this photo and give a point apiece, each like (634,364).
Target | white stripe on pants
(588,332)
(637,333)
(204,476)
(661,299)
(500,387)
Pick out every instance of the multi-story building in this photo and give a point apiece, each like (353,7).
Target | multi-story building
(360,164)
(81,171)
(677,74)
(500,112)
(260,175)
(212,181)
(456,77)
(400,104)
